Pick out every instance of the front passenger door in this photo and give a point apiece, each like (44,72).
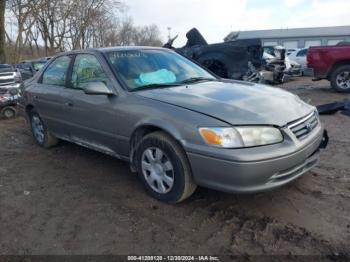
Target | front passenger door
(92,118)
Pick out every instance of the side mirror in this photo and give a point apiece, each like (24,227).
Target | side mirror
(97,88)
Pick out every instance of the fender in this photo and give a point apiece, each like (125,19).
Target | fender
(146,126)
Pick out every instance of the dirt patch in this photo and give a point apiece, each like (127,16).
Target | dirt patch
(71,200)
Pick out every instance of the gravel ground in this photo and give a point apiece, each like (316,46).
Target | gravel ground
(72,200)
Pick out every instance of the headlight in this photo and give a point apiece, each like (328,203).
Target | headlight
(235,137)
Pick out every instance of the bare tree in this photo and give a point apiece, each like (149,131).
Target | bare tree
(2,31)
(56,25)
(22,9)
(147,36)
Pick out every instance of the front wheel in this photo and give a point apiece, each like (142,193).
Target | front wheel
(164,169)
(41,134)
(340,78)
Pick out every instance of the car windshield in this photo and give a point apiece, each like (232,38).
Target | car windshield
(38,65)
(155,68)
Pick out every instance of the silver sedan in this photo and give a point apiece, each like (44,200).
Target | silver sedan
(177,124)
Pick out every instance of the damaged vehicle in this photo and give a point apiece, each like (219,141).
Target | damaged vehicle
(276,69)
(227,60)
(236,59)
(8,102)
(10,81)
(177,124)
(28,68)
(10,77)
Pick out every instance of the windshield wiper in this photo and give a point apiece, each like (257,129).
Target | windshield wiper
(154,86)
(196,79)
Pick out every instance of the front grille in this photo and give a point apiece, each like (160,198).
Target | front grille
(6,83)
(6,74)
(7,78)
(303,127)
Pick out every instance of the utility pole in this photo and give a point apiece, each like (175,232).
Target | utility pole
(2,31)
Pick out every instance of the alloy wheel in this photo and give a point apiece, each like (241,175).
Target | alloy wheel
(343,80)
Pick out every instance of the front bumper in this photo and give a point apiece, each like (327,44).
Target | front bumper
(255,176)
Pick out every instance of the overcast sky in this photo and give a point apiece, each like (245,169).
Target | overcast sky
(216,18)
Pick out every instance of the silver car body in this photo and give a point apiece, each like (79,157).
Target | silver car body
(111,125)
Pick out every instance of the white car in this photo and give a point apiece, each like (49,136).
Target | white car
(299,56)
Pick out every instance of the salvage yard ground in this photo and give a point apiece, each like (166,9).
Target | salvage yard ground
(72,200)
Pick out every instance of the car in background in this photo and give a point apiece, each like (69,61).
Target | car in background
(291,50)
(28,68)
(8,102)
(299,56)
(10,77)
(177,124)
(331,63)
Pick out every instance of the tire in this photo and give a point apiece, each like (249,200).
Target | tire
(8,112)
(340,78)
(156,172)
(40,133)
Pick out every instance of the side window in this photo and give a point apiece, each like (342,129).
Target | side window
(56,72)
(87,69)
(26,67)
(302,52)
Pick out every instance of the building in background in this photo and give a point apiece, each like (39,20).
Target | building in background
(298,37)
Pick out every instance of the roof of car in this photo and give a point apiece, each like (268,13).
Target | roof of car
(114,48)
(33,60)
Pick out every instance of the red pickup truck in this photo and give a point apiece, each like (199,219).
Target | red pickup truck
(332,63)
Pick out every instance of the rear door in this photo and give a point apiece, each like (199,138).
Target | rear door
(92,119)
(47,95)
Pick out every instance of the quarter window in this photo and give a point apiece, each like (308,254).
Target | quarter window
(56,72)
(87,69)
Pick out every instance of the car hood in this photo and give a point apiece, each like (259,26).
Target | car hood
(235,102)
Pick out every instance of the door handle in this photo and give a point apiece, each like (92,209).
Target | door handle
(68,104)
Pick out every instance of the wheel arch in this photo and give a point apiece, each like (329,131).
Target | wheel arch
(146,128)
(29,108)
(336,65)
(211,57)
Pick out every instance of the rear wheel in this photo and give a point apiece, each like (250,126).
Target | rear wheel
(164,169)
(340,78)
(40,132)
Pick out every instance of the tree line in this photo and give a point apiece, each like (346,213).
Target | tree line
(36,28)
